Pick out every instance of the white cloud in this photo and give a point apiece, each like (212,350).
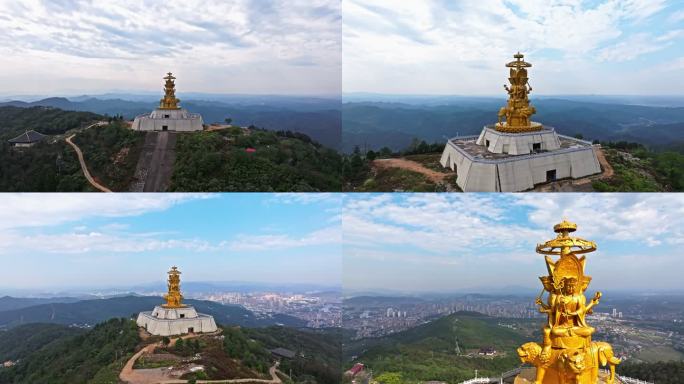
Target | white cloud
(460,47)
(97,242)
(33,210)
(304,198)
(232,46)
(434,223)
(329,235)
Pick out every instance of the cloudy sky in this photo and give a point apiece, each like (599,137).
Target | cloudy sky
(118,240)
(449,242)
(460,47)
(217,46)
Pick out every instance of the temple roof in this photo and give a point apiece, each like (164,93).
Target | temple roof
(27,137)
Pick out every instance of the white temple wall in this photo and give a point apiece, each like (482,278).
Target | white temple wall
(517,144)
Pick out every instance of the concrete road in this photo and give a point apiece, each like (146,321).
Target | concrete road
(155,164)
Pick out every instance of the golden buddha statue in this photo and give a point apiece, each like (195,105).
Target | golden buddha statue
(567,353)
(174,297)
(169,101)
(518,110)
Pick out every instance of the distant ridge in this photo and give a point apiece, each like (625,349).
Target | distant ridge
(91,312)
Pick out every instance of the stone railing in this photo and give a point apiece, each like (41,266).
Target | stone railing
(629,380)
(480,380)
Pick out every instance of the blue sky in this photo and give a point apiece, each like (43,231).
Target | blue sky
(217,46)
(631,47)
(468,242)
(118,240)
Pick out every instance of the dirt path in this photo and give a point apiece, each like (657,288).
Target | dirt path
(607,168)
(86,173)
(434,176)
(163,375)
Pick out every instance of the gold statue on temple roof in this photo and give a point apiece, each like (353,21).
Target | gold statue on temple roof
(169,101)
(567,353)
(173,298)
(518,110)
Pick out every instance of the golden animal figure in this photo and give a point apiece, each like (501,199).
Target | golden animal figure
(174,298)
(567,354)
(518,110)
(169,101)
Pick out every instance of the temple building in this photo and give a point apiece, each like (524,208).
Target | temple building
(27,139)
(517,154)
(567,353)
(174,317)
(169,116)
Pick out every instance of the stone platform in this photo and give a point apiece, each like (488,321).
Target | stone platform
(512,162)
(175,321)
(178,120)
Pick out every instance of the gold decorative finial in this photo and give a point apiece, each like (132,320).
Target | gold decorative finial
(518,110)
(174,298)
(169,101)
(567,354)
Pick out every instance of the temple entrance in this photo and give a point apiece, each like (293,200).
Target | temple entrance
(536,147)
(165,127)
(551,175)
(191,330)
(182,315)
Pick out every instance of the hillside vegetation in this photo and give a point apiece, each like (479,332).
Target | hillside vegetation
(277,161)
(664,372)
(92,357)
(638,169)
(46,120)
(428,352)
(111,152)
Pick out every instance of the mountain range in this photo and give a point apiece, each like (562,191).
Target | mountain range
(317,117)
(90,312)
(395,121)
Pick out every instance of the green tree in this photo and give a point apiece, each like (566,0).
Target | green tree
(390,378)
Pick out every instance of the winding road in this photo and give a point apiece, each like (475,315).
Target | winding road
(84,168)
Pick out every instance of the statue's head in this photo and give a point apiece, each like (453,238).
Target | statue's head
(529,352)
(570,286)
(573,360)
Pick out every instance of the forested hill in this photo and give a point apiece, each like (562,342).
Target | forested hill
(428,352)
(90,312)
(255,160)
(373,125)
(68,355)
(57,354)
(46,120)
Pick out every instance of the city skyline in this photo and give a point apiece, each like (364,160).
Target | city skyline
(576,47)
(426,243)
(236,47)
(56,241)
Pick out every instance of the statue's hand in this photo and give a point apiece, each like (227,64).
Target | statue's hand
(538,301)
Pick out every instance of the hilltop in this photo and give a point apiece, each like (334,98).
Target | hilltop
(59,354)
(224,158)
(634,168)
(316,117)
(428,352)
